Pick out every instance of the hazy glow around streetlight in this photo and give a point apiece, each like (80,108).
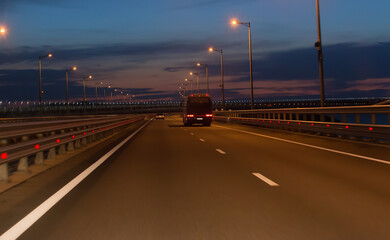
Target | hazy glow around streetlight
(90,77)
(198,64)
(234,22)
(50,55)
(3,30)
(191,73)
(74,68)
(211,49)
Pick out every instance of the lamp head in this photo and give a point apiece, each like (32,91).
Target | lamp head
(234,22)
(90,77)
(74,68)
(50,55)
(211,49)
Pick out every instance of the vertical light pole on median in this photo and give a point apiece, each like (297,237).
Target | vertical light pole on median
(207,75)
(197,79)
(190,80)
(67,86)
(248,24)
(40,78)
(318,45)
(222,80)
(85,99)
(185,89)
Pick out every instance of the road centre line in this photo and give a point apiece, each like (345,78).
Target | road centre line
(220,151)
(310,146)
(202,140)
(266,180)
(25,223)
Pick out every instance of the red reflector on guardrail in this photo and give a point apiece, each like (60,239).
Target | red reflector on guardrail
(3,155)
(299,123)
(346,127)
(36,146)
(312,124)
(288,122)
(328,125)
(58,140)
(85,133)
(93,131)
(370,129)
(100,129)
(73,136)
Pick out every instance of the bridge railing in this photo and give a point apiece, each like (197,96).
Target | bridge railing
(34,145)
(362,122)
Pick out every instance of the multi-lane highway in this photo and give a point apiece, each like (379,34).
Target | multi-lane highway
(219,182)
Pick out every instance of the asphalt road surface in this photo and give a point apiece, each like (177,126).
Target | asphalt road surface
(227,182)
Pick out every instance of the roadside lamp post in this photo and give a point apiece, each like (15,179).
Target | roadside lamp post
(85,99)
(190,80)
(96,93)
(197,79)
(248,24)
(40,78)
(222,80)
(318,45)
(67,85)
(207,75)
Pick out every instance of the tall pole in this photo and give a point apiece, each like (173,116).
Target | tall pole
(207,79)
(192,91)
(67,82)
(320,56)
(197,82)
(96,100)
(85,100)
(40,83)
(223,82)
(250,65)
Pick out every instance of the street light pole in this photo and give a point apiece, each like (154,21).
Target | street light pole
(248,24)
(222,80)
(40,79)
(85,99)
(318,45)
(67,86)
(207,76)
(197,80)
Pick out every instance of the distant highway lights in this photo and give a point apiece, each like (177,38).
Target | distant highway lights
(207,75)
(40,78)
(318,45)
(248,24)
(222,80)
(197,79)
(190,80)
(67,85)
(85,99)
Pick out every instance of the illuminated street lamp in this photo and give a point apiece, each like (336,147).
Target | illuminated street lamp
(3,31)
(67,85)
(85,99)
(223,83)
(197,79)
(318,45)
(190,80)
(40,78)
(207,75)
(248,24)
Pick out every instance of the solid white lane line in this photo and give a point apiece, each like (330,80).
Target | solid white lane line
(26,222)
(266,180)
(202,140)
(220,151)
(192,134)
(310,146)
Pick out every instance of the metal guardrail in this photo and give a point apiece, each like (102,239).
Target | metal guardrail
(335,121)
(19,156)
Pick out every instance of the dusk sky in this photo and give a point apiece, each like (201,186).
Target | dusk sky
(147,48)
